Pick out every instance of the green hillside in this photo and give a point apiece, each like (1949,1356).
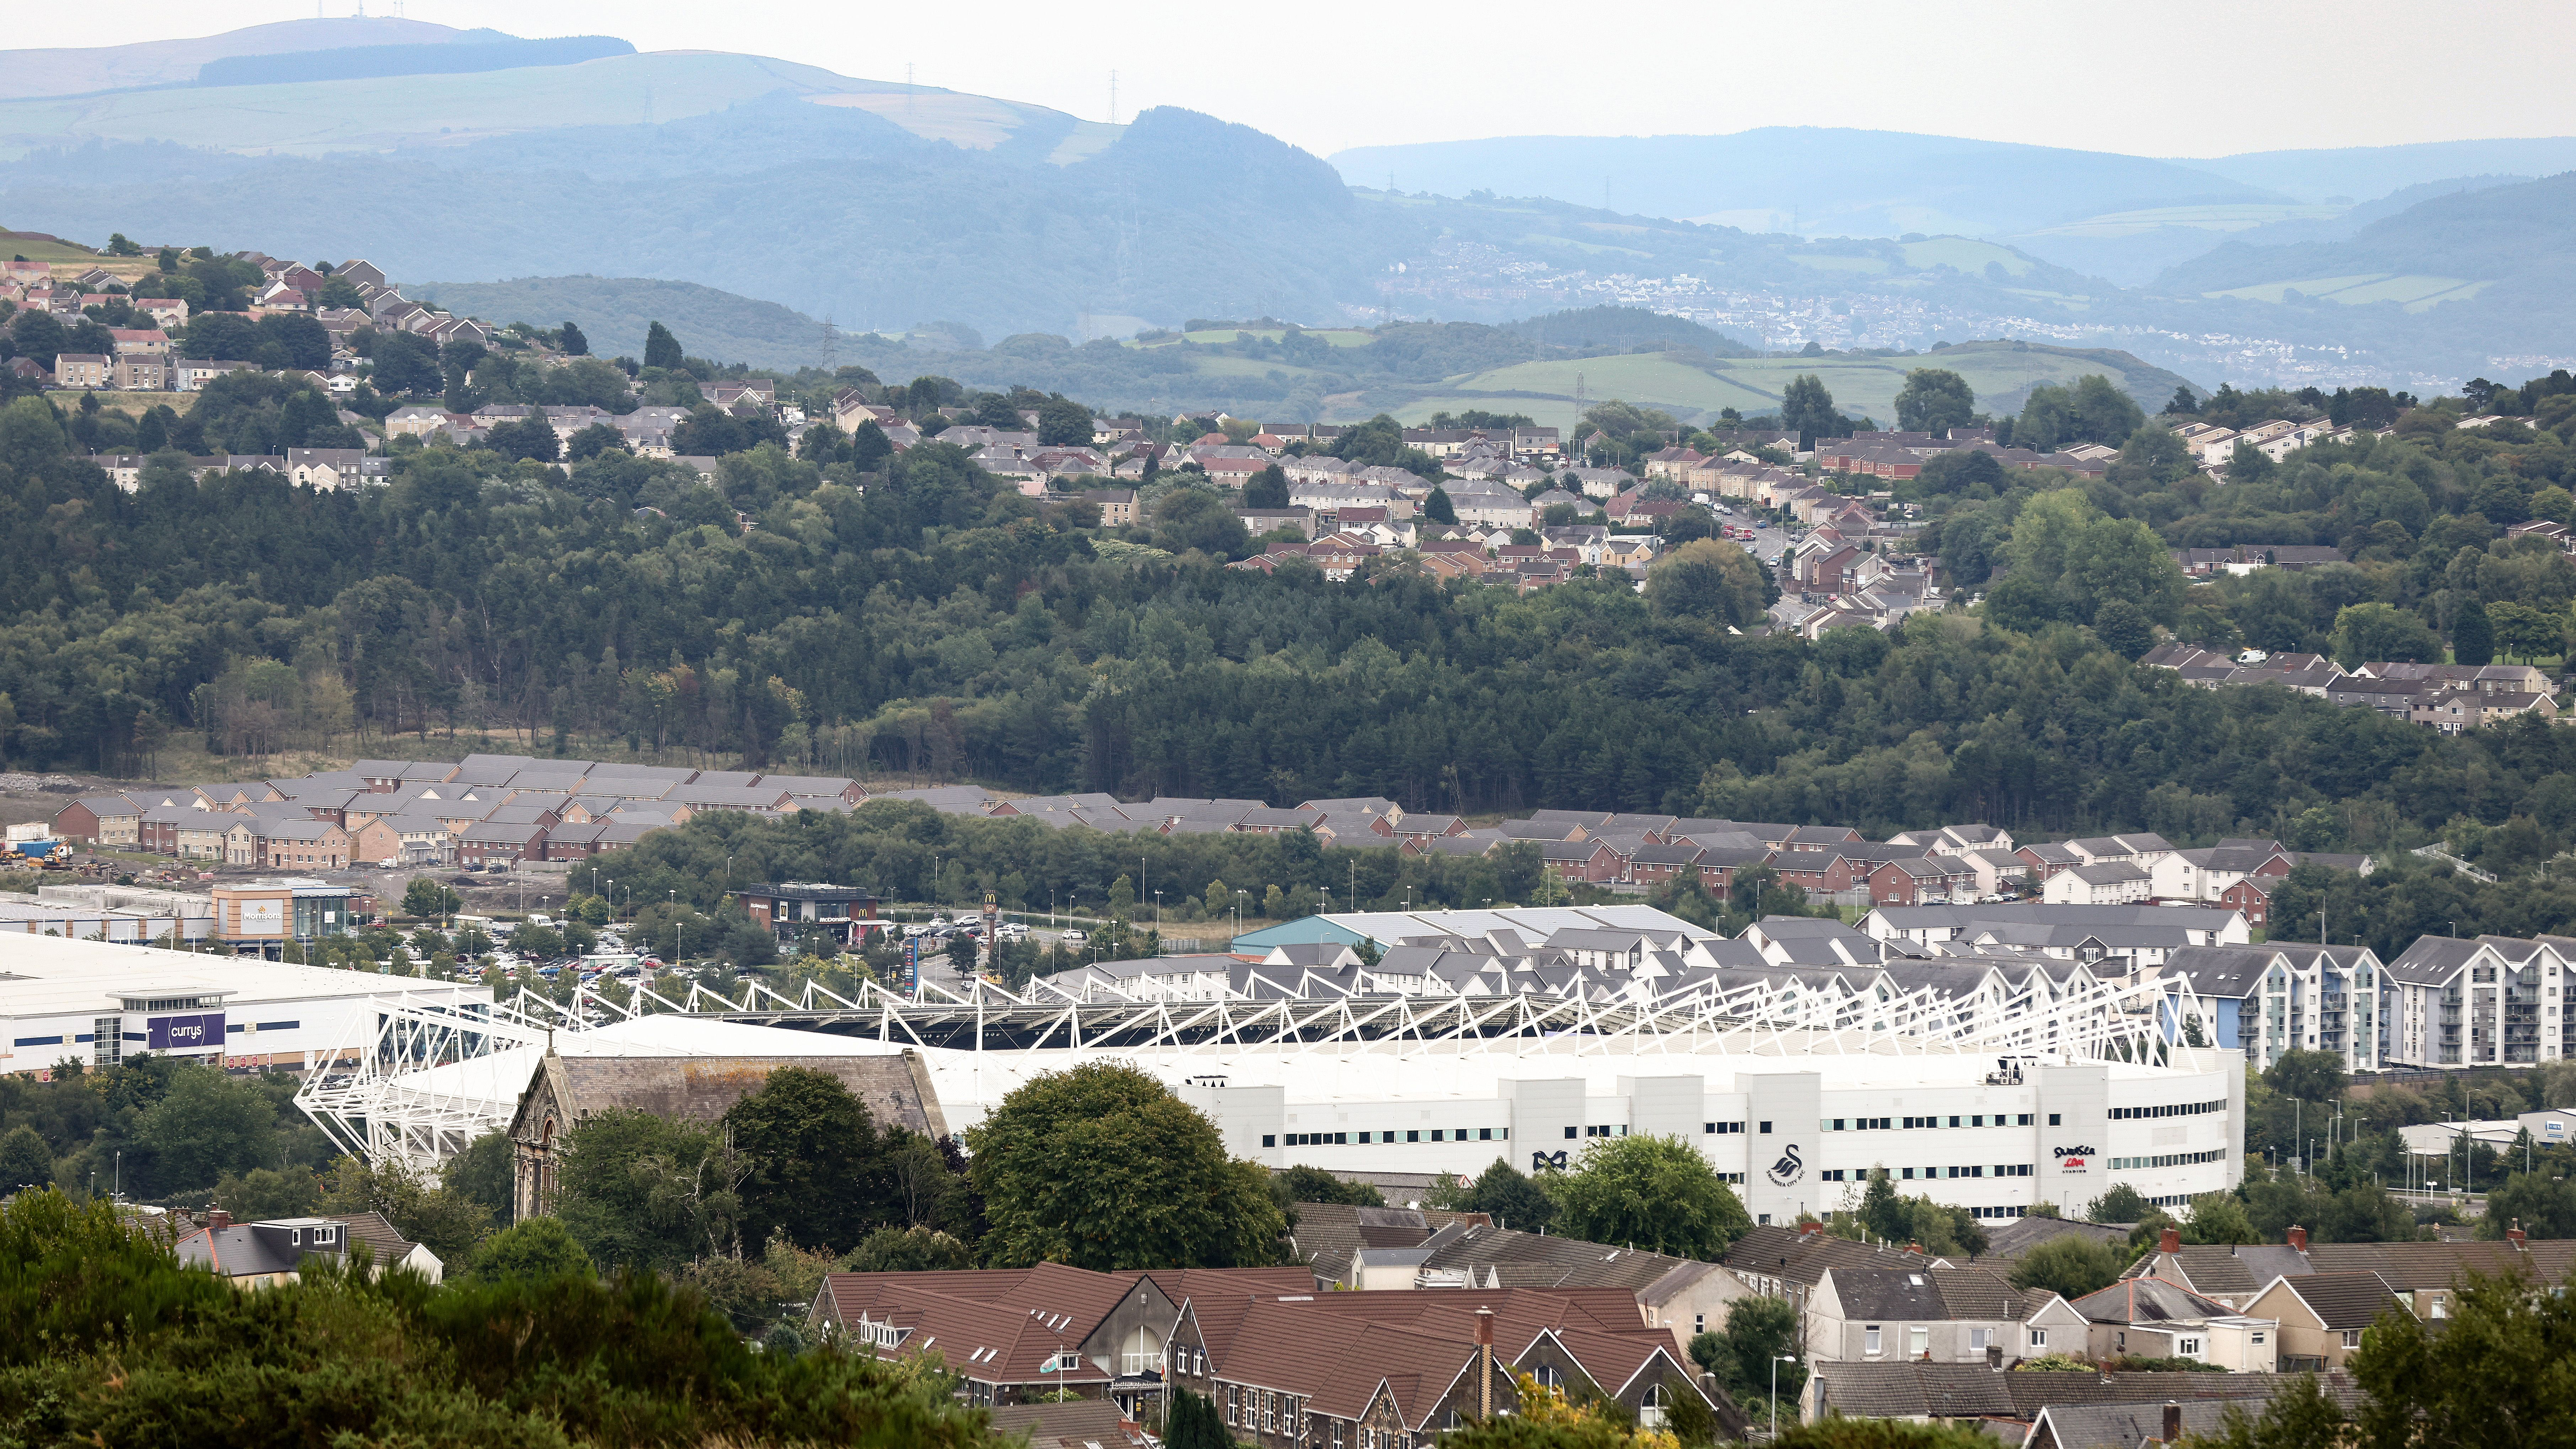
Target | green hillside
(613,312)
(2003,373)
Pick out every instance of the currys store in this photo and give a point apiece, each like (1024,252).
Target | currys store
(193,1024)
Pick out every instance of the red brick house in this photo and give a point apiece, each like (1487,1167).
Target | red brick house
(100,820)
(490,842)
(1583,860)
(1825,871)
(1717,867)
(1931,880)
(1655,864)
(2251,897)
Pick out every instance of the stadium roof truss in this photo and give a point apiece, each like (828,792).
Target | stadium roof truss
(413,1096)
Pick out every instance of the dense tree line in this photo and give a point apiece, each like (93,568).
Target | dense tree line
(892,846)
(114,1342)
(926,621)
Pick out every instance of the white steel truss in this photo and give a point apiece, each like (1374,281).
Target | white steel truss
(417,1094)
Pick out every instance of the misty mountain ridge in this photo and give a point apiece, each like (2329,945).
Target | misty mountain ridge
(1020,221)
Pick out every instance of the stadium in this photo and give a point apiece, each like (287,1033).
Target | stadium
(1560,1029)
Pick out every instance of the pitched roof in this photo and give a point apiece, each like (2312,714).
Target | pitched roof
(1797,1257)
(1918,1295)
(2345,1301)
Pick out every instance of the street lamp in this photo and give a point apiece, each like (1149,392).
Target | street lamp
(1158,912)
(1776,1361)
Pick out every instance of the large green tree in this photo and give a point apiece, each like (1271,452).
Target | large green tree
(1656,1193)
(1100,1166)
(2069,1265)
(819,1169)
(1758,1330)
(643,1191)
(1807,408)
(1934,400)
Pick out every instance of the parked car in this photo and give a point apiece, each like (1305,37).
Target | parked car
(914,928)
(1076,938)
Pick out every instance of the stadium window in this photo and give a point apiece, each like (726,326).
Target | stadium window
(1435,1134)
(2052,1119)
(1766,1129)
(2023,1120)
(1570,1131)
(1412,1136)
(1269,1140)
(1955,1121)
(1711,1128)
(1484,1134)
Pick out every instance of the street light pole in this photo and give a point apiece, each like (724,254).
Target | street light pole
(1776,1361)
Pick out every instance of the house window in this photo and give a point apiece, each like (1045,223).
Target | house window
(1978,1338)
(1699,1324)
(2352,1338)
(2187,1347)
(2258,1338)
(1269,1410)
(1230,1392)
(2039,1338)
(1918,1342)
(1869,1338)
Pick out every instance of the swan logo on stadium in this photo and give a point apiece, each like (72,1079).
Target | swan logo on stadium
(1788,1169)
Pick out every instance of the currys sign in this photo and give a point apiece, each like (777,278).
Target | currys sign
(186,1033)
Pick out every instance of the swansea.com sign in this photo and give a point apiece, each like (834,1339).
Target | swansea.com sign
(2074,1159)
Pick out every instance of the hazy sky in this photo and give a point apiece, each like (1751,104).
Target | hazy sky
(2166,78)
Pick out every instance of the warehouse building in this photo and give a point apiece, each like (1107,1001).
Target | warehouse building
(98,1003)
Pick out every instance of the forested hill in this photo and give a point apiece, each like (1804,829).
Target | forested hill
(2486,233)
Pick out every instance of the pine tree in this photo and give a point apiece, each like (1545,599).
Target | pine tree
(2473,635)
(661,349)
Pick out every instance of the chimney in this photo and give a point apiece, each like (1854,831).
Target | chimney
(2515,1235)
(1484,1365)
(2298,1238)
(1995,1357)
(1914,1248)
(2169,1241)
(218,1220)
(2173,1423)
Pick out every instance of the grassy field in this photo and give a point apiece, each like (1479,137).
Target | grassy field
(132,404)
(1333,337)
(2415,293)
(1829,263)
(1545,390)
(2235,217)
(36,251)
(1965,254)
(1862,386)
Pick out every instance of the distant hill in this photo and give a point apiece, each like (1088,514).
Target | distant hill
(363,62)
(613,312)
(1819,181)
(1627,329)
(2484,235)
(2360,173)
(74,72)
